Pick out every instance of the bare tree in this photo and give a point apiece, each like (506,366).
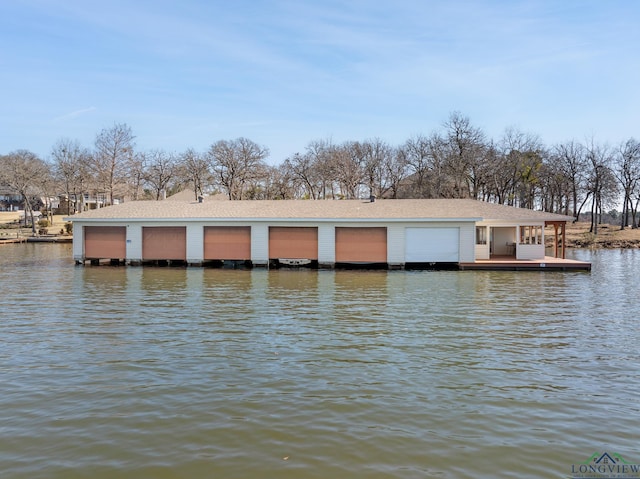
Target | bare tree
(70,162)
(554,188)
(377,156)
(441,183)
(416,155)
(396,171)
(346,166)
(159,173)
(259,185)
(627,171)
(235,163)
(48,188)
(523,156)
(280,185)
(113,151)
(24,172)
(571,160)
(499,175)
(466,151)
(273,183)
(302,170)
(194,169)
(136,167)
(320,152)
(601,182)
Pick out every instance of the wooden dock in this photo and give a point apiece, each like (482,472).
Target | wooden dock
(37,239)
(509,263)
(50,239)
(13,240)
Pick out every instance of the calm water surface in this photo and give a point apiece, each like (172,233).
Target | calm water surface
(135,372)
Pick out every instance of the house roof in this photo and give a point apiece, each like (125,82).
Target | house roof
(411,209)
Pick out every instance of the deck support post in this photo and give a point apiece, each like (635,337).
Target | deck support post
(559,230)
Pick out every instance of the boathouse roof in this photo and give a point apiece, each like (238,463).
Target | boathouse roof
(383,209)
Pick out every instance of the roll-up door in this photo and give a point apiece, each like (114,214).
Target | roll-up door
(164,243)
(432,245)
(227,242)
(105,242)
(366,245)
(293,242)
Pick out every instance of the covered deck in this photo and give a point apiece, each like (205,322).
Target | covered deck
(524,251)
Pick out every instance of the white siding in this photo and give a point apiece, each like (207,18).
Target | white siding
(260,243)
(482,251)
(467,242)
(195,242)
(326,244)
(78,242)
(134,242)
(530,251)
(395,245)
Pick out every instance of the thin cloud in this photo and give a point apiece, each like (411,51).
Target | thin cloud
(75,114)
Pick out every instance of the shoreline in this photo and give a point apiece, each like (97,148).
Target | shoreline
(608,237)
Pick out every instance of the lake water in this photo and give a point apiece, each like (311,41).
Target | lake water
(141,372)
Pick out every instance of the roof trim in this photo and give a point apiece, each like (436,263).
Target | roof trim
(272,220)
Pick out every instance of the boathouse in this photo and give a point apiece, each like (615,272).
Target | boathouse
(324,233)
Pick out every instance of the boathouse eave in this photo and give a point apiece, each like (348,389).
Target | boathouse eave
(512,222)
(271,220)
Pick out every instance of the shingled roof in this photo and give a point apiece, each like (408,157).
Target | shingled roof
(413,209)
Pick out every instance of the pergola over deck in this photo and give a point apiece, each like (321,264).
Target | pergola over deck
(559,237)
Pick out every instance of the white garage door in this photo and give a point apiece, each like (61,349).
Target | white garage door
(432,245)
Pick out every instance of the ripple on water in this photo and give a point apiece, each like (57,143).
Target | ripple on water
(170,372)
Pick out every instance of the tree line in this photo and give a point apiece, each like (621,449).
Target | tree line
(457,161)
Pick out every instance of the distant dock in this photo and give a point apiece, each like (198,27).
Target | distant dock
(37,239)
(12,240)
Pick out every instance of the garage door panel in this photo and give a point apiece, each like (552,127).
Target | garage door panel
(102,242)
(293,242)
(432,245)
(227,242)
(164,243)
(361,245)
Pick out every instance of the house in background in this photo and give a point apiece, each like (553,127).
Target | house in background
(10,200)
(324,233)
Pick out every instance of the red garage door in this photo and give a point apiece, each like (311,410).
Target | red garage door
(164,242)
(227,242)
(293,242)
(361,245)
(105,242)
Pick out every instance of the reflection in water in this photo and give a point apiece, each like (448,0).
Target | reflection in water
(196,372)
(283,281)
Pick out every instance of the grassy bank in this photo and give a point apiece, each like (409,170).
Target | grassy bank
(609,236)
(9,227)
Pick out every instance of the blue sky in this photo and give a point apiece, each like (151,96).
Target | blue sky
(285,72)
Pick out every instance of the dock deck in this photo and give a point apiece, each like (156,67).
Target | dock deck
(510,263)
